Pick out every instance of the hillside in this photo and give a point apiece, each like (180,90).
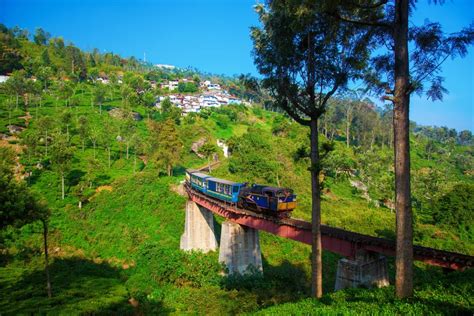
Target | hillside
(114,236)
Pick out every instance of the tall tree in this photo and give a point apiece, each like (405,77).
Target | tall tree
(83,128)
(16,85)
(41,37)
(45,125)
(402,74)
(18,206)
(165,144)
(305,56)
(99,95)
(208,150)
(61,157)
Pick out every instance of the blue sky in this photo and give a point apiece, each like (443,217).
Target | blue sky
(213,36)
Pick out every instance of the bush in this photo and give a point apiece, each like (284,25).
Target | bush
(158,266)
(455,208)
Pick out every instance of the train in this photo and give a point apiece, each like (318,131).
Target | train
(275,201)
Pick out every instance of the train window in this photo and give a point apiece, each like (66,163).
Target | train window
(236,189)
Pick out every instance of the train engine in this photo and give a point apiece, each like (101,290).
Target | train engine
(267,199)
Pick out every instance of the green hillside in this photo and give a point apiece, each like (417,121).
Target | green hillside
(114,237)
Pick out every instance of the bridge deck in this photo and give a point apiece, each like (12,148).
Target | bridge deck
(343,242)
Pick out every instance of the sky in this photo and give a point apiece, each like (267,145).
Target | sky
(213,36)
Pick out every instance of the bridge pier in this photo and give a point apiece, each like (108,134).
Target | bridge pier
(369,269)
(198,229)
(240,249)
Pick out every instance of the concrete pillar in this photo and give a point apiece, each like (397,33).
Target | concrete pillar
(240,249)
(368,270)
(198,229)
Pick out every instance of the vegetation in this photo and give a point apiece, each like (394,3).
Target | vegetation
(115,218)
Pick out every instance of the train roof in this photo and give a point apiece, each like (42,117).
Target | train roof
(223,181)
(200,175)
(264,188)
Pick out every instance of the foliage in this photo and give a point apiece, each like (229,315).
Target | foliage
(166,147)
(246,159)
(455,208)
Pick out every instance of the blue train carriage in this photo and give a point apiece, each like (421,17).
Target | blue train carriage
(224,190)
(266,198)
(198,181)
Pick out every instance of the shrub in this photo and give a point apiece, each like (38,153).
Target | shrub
(455,208)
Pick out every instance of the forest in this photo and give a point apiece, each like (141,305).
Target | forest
(96,168)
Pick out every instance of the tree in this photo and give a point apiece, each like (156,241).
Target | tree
(170,111)
(66,120)
(45,59)
(126,92)
(18,206)
(61,157)
(16,84)
(405,73)
(465,137)
(94,135)
(246,159)
(107,136)
(75,62)
(10,53)
(45,124)
(99,95)
(66,90)
(44,74)
(129,131)
(208,150)
(41,37)
(305,56)
(83,124)
(166,146)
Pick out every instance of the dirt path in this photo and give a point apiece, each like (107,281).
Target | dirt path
(13,142)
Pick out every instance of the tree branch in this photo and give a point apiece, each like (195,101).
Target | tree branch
(360,22)
(284,105)
(373,6)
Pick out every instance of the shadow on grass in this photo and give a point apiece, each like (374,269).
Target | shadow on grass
(435,292)
(79,286)
(74,177)
(281,283)
(386,233)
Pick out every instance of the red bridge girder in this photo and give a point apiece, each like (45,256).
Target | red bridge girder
(340,241)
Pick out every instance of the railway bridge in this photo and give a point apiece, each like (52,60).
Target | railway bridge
(364,262)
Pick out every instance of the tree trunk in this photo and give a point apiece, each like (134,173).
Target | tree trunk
(209,164)
(46,142)
(316,255)
(170,170)
(62,185)
(348,129)
(93,143)
(404,218)
(108,149)
(17,101)
(128,147)
(134,164)
(83,144)
(46,258)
